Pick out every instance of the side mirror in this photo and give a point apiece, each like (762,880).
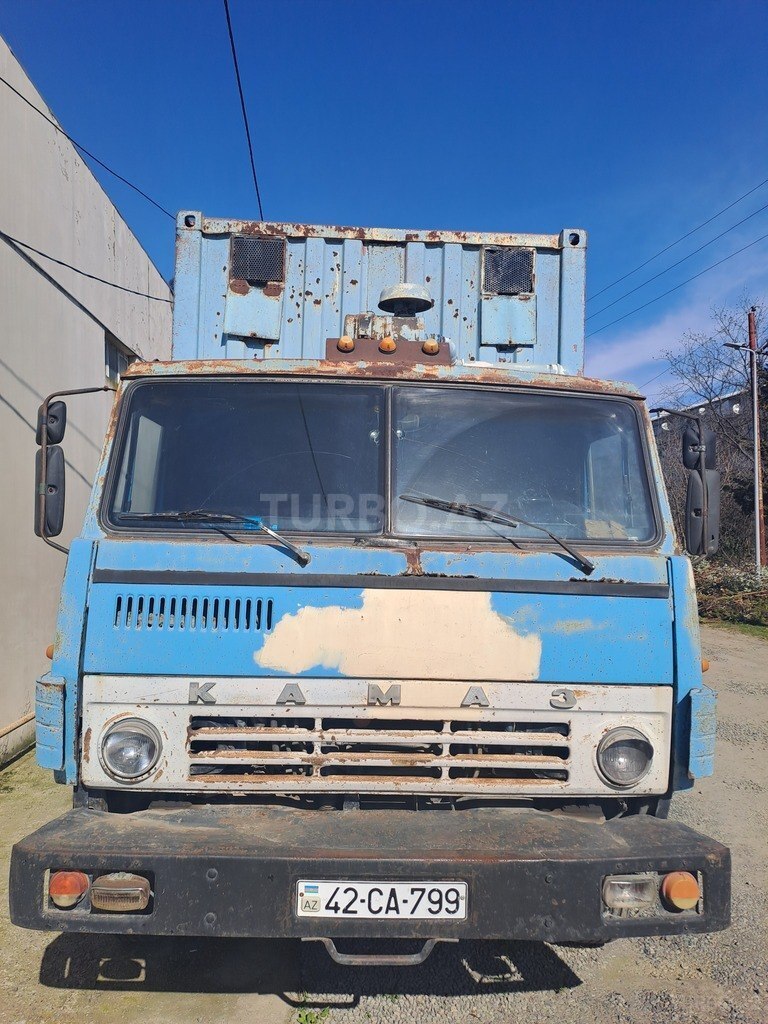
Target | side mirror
(49,465)
(695,444)
(49,492)
(56,422)
(702,513)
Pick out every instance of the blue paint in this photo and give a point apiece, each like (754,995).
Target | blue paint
(67,653)
(703,710)
(225,648)
(49,721)
(584,638)
(687,664)
(517,563)
(212,554)
(594,639)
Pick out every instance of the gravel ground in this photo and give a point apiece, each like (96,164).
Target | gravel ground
(711,979)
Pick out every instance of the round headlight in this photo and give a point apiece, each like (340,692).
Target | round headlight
(130,748)
(624,756)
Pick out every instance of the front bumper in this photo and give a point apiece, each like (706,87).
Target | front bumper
(227,871)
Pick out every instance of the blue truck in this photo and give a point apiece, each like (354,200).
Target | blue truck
(378,626)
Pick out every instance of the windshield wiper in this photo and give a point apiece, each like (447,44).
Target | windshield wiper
(489,515)
(200,515)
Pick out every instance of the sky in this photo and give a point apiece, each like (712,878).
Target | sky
(635,121)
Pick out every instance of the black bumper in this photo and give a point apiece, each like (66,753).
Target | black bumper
(233,871)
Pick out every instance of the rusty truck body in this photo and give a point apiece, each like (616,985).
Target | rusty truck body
(378,625)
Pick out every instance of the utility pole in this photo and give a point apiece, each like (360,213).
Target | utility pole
(760,553)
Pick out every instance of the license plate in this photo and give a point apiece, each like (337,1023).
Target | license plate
(417,900)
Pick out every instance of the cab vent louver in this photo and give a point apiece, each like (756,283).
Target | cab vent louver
(508,271)
(258,260)
(143,611)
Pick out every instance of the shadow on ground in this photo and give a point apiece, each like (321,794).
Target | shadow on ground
(299,973)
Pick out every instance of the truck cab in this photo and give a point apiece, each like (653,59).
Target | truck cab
(377,626)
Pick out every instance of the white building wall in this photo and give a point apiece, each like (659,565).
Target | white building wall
(53,325)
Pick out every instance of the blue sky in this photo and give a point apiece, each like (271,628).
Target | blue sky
(636,121)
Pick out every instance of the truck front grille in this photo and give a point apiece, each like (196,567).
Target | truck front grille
(304,753)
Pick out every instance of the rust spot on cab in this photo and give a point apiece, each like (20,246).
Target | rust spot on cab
(239,287)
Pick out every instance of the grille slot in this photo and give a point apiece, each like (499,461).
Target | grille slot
(216,614)
(508,271)
(258,260)
(374,753)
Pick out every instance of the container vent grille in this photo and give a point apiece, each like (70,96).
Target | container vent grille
(145,611)
(508,271)
(258,260)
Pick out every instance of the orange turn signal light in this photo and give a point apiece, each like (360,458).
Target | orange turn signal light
(680,889)
(66,888)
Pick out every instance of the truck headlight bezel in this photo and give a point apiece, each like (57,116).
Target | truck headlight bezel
(128,726)
(612,739)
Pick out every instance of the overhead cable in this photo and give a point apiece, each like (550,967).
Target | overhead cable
(678,240)
(87,152)
(83,273)
(673,265)
(682,283)
(242,107)
(661,374)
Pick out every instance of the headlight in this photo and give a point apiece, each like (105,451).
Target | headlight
(130,748)
(624,756)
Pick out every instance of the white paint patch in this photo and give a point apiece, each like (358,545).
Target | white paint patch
(400,634)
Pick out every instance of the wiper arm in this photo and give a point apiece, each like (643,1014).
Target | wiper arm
(200,515)
(489,515)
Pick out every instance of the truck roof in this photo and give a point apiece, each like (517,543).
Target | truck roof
(254,290)
(385,370)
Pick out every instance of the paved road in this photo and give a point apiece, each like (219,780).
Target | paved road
(717,979)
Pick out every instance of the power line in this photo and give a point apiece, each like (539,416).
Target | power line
(641,386)
(87,152)
(678,240)
(83,273)
(242,107)
(673,265)
(670,290)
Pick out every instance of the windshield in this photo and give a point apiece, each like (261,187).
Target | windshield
(302,457)
(311,458)
(571,465)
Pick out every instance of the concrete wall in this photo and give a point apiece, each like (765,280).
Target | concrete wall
(53,327)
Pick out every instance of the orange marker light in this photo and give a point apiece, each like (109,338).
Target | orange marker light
(704,665)
(387,345)
(431,347)
(49,652)
(66,888)
(681,890)
(345,343)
